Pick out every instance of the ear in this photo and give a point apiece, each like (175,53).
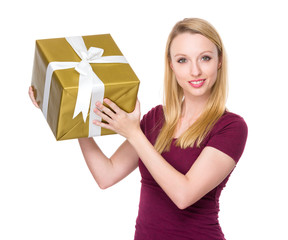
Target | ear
(220,62)
(171,65)
(219,65)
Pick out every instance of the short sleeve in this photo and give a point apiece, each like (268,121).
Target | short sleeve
(152,122)
(229,135)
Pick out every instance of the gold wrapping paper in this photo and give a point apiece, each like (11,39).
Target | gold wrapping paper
(121,83)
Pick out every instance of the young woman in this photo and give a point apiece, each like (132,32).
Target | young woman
(185,149)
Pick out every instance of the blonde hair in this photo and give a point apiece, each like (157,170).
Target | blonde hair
(173,93)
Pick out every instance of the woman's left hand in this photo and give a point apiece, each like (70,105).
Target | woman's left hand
(121,122)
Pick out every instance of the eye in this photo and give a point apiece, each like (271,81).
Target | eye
(182,60)
(206,58)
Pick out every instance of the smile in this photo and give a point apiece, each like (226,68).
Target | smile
(197,83)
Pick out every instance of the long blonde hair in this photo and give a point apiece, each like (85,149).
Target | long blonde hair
(173,93)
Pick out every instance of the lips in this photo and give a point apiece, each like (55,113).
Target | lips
(197,83)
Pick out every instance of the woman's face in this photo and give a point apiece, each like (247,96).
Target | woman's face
(194,61)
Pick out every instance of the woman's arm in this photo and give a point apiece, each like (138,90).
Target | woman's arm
(106,171)
(209,170)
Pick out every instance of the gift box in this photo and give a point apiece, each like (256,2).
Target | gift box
(71,74)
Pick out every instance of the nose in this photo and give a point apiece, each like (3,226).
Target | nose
(195,69)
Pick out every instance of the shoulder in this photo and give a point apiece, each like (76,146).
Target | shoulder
(231,117)
(154,114)
(230,120)
(152,121)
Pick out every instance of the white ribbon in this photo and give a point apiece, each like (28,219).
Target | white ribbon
(89,82)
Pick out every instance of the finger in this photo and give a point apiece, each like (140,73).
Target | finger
(112,105)
(32,97)
(31,93)
(137,106)
(104,109)
(103,115)
(102,125)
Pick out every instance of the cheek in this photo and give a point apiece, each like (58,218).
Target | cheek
(212,72)
(180,77)
(181,72)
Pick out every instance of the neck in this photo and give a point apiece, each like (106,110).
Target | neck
(192,108)
(191,111)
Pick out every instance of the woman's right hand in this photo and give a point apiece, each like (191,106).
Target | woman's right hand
(32,96)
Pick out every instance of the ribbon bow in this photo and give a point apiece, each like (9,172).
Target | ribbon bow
(90,86)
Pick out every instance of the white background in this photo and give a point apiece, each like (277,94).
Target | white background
(46,190)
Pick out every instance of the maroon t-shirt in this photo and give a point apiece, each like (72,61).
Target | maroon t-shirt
(158,217)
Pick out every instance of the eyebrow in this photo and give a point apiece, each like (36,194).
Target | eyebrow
(182,54)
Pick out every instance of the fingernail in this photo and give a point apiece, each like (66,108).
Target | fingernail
(96,122)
